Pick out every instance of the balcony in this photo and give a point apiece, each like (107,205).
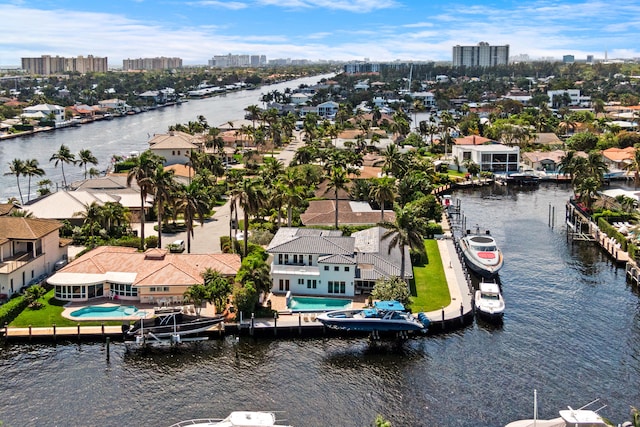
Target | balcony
(16,261)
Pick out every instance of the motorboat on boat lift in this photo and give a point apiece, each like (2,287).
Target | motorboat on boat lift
(383,316)
(481,253)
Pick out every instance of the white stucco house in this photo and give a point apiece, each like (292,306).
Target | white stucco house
(325,263)
(175,146)
(44,111)
(497,158)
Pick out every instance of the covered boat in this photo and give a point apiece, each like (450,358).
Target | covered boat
(171,324)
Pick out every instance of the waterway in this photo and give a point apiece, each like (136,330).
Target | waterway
(571,331)
(123,135)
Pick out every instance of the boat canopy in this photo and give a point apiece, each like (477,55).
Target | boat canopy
(389,305)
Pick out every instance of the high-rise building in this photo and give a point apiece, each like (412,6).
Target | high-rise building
(158,63)
(227,61)
(482,55)
(568,59)
(48,64)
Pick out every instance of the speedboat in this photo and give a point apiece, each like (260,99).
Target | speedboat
(170,324)
(488,301)
(481,253)
(383,316)
(236,419)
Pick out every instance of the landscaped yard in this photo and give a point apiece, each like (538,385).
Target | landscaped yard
(430,290)
(50,313)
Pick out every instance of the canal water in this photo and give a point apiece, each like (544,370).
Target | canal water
(571,331)
(123,135)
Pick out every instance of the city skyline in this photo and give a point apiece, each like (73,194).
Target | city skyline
(342,30)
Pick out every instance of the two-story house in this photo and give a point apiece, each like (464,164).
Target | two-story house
(323,262)
(29,249)
(175,147)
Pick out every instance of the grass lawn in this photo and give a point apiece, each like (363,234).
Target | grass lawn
(50,313)
(429,288)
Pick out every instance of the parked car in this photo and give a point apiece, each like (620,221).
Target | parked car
(177,246)
(59,264)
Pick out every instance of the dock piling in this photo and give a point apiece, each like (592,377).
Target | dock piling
(108,348)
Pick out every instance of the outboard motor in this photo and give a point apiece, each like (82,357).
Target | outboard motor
(424,320)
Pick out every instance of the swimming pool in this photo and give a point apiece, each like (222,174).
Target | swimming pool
(106,312)
(299,304)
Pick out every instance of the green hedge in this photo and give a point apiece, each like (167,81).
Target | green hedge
(610,231)
(12,309)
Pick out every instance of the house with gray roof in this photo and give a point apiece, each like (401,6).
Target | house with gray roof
(325,263)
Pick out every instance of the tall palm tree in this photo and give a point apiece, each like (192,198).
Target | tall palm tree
(250,196)
(164,188)
(62,156)
(383,190)
(194,204)
(634,167)
(92,217)
(141,171)
(337,181)
(86,157)
(32,168)
(406,231)
(17,168)
(291,185)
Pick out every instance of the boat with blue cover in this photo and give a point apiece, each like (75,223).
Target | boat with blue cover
(383,316)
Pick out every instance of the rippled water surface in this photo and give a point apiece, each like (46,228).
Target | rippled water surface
(571,331)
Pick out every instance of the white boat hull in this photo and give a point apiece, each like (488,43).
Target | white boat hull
(486,263)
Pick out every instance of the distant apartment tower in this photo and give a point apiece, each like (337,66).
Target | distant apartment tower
(158,63)
(568,59)
(362,67)
(482,55)
(228,61)
(48,64)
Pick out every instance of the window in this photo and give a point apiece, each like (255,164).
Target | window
(279,258)
(346,268)
(310,259)
(286,258)
(301,281)
(314,284)
(342,288)
(295,258)
(326,268)
(330,287)
(336,268)
(281,285)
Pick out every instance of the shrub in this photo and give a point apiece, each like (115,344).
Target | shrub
(151,241)
(12,309)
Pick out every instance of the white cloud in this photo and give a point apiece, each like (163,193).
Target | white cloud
(356,6)
(232,5)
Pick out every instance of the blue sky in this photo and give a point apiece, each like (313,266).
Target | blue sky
(381,30)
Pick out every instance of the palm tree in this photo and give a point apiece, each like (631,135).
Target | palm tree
(142,170)
(634,167)
(32,168)
(290,184)
(17,168)
(62,156)
(383,190)
(254,111)
(405,231)
(218,288)
(196,294)
(250,195)
(393,164)
(86,157)
(92,217)
(194,204)
(337,180)
(163,189)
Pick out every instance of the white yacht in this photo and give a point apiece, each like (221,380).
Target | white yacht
(481,253)
(489,302)
(236,419)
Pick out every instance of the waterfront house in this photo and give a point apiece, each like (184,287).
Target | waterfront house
(124,274)
(547,161)
(328,109)
(29,249)
(175,147)
(618,158)
(496,158)
(114,106)
(51,112)
(322,213)
(325,263)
